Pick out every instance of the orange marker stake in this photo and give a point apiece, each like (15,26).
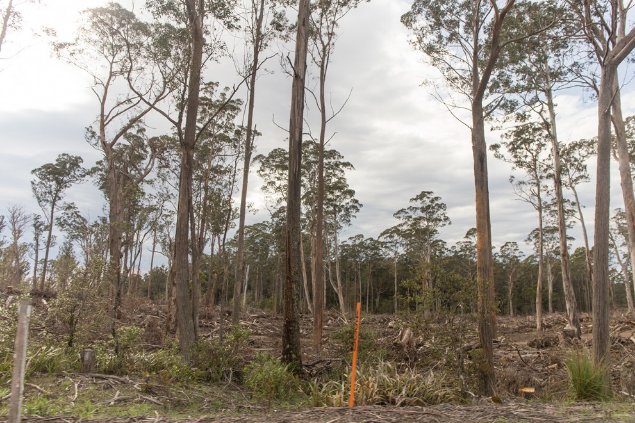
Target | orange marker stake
(351,399)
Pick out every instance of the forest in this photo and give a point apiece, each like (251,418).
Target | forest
(174,302)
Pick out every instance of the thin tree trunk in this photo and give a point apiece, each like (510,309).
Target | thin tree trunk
(587,249)
(37,252)
(625,274)
(154,246)
(305,279)
(549,285)
(338,277)
(541,260)
(573,322)
(510,293)
(394,297)
(249,140)
(626,181)
(49,239)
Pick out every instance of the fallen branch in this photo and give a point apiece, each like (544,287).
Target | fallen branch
(34,386)
(523,360)
(152,400)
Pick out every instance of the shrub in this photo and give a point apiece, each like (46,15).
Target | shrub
(167,363)
(270,380)
(587,381)
(222,360)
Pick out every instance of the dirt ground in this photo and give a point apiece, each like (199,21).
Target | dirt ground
(444,413)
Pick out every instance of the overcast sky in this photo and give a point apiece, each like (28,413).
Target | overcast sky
(400,140)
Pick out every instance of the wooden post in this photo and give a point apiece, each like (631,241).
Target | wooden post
(19,361)
(351,399)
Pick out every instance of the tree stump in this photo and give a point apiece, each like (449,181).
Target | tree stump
(88,360)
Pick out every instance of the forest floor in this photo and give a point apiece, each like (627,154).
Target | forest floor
(524,359)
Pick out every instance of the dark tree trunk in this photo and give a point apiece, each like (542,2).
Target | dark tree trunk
(291,329)
(185,320)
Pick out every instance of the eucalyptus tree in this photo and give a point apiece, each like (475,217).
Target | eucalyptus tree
(187,39)
(121,175)
(510,257)
(258,36)
(14,265)
(418,227)
(464,40)
(604,25)
(620,244)
(574,157)
(49,186)
(542,65)
(340,205)
(526,147)
(110,47)
(394,244)
(90,237)
(324,22)
(291,329)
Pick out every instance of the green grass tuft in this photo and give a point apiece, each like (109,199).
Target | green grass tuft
(587,381)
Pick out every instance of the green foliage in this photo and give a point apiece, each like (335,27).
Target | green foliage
(49,359)
(384,384)
(587,381)
(38,406)
(168,364)
(78,313)
(222,360)
(270,380)
(368,349)
(129,337)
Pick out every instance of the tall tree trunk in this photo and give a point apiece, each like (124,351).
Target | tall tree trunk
(484,260)
(249,141)
(626,181)
(602,202)
(318,288)
(573,322)
(291,329)
(184,301)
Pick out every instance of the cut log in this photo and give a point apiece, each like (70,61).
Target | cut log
(88,360)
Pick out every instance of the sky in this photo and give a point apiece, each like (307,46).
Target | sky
(399,138)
